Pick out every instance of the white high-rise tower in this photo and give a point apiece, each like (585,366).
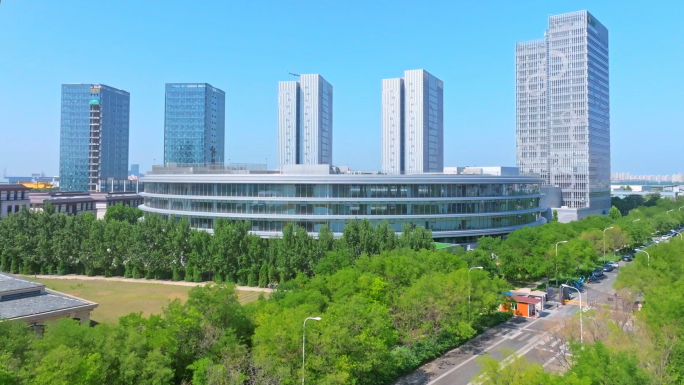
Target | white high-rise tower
(393,126)
(288,122)
(305,121)
(563,109)
(412,124)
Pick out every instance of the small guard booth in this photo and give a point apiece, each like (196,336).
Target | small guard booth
(521,306)
(526,292)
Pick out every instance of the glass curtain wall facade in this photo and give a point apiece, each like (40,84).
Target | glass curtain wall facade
(563,105)
(194,124)
(450,207)
(424,122)
(305,121)
(94,135)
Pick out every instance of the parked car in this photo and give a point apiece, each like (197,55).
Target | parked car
(608,267)
(628,258)
(598,273)
(614,264)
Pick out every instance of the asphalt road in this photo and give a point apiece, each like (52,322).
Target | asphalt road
(525,337)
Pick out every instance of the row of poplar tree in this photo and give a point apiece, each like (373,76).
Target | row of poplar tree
(126,244)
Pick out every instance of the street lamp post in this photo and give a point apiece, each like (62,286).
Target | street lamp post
(648,255)
(469,289)
(580,305)
(604,243)
(304,343)
(557,243)
(668,211)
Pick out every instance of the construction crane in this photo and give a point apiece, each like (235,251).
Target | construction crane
(297,75)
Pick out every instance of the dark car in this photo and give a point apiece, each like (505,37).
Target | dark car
(608,267)
(628,258)
(598,273)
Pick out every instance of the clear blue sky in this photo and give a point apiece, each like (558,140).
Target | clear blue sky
(246,47)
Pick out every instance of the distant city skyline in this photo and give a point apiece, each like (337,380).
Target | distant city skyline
(625,176)
(247,60)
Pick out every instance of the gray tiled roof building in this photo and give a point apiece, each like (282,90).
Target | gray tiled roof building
(31,302)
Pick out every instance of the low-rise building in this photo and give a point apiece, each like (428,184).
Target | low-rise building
(474,170)
(456,208)
(527,292)
(12,198)
(31,302)
(72,203)
(521,306)
(665,191)
(631,187)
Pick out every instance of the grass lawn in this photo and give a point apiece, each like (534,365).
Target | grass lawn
(117,299)
(439,245)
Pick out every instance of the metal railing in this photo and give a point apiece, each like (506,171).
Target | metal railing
(210,168)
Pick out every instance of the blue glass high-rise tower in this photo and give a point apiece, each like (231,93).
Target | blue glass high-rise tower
(194,124)
(93,135)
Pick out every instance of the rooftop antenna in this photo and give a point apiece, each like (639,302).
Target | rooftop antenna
(297,75)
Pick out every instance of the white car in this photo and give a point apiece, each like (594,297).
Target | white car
(614,264)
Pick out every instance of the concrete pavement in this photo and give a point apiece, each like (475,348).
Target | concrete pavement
(459,366)
(525,337)
(141,280)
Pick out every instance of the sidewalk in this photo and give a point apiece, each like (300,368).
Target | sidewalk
(121,279)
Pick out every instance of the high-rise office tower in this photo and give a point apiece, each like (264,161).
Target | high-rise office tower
(563,109)
(194,124)
(135,170)
(93,135)
(393,126)
(412,124)
(288,122)
(305,121)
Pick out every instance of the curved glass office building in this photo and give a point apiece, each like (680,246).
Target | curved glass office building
(457,208)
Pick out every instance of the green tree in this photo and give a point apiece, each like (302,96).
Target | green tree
(123,213)
(263,275)
(326,241)
(15,343)
(603,366)
(520,370)
(614,213)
